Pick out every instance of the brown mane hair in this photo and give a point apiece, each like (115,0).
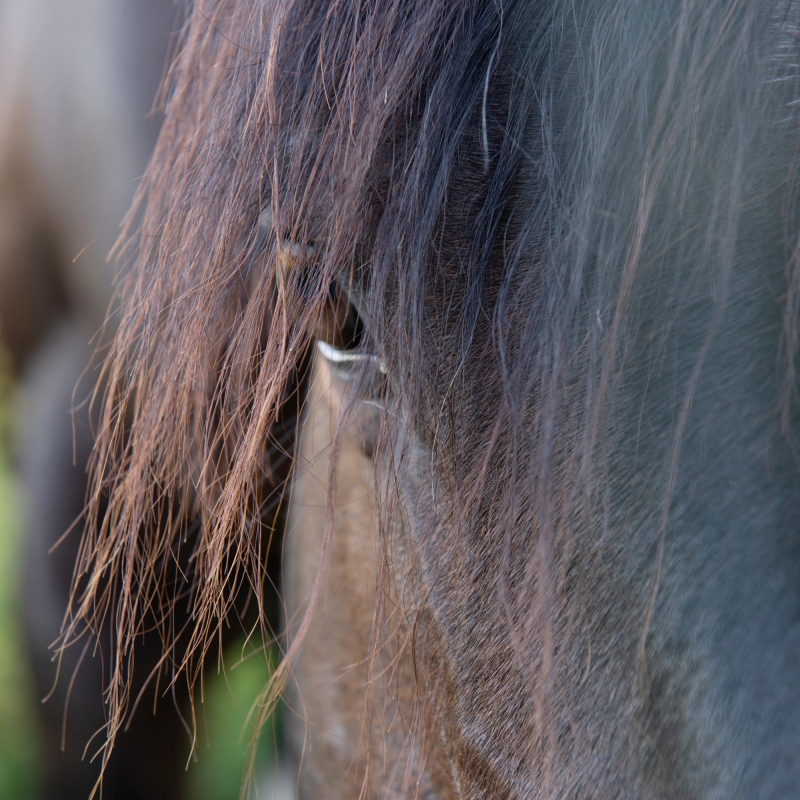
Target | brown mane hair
(458,179)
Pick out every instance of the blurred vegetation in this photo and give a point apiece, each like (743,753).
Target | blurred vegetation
(224,729)
(227,697)
(19,763)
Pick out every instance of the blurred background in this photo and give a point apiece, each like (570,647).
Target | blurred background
(78,80)
(217,773)
(19,755)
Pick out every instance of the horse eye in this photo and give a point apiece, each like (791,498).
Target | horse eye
(340,325)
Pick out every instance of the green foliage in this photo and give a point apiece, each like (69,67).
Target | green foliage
(19,762)
(224,727)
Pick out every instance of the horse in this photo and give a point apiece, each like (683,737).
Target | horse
(78,85)
(527,277)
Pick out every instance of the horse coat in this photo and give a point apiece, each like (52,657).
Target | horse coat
(569,234)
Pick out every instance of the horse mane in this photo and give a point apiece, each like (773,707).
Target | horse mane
(343,128)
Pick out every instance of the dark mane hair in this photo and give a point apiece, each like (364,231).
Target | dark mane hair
(502,190)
